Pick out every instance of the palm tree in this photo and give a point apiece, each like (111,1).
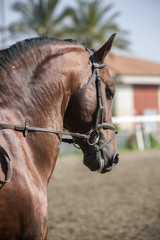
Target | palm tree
(38,17)
(93,22)
(90,21)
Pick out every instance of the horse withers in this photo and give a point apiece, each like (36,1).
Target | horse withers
(49,83)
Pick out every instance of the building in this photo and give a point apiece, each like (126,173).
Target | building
(137,86)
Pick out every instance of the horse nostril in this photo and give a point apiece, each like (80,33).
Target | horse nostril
(116,158)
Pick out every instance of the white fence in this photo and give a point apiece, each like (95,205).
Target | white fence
(138,121)
(142,127)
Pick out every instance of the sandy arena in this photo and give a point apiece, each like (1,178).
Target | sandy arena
(123,204)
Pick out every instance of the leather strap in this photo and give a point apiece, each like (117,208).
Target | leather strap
(96,66)
(26,129)
(77,137)
(9,166)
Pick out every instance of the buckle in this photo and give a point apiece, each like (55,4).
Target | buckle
(97,65)
(93,137)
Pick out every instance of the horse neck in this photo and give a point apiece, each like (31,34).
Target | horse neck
(38,84)
(38,87)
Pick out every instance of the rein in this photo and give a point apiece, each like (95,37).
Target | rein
(9,166)
(91,138)
(27,129)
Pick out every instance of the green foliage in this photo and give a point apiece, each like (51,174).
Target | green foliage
(93,22)
(38,16)
(132,143)
(154,143)
(90,21)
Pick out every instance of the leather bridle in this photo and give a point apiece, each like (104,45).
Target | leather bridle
(92,137)
(93,134)
(100,106)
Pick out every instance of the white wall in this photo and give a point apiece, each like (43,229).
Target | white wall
(124,100)
(124,104)
(124,97)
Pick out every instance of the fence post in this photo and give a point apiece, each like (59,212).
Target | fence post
(139,137)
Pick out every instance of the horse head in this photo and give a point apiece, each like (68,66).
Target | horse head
(49,83)
(89,111)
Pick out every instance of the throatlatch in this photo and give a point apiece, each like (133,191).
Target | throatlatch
(92,137)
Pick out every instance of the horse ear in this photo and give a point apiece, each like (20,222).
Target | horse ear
(105,49)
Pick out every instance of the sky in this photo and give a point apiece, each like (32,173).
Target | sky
(141,18)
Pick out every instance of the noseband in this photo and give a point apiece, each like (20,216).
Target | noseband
(92,137)
(100,106)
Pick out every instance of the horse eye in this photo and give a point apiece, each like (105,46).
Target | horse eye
(110,93)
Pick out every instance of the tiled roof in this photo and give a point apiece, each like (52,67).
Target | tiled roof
(122,65)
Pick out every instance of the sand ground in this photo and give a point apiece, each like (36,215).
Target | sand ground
(123,204)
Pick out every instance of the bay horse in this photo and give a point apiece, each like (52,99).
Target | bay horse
(46,84)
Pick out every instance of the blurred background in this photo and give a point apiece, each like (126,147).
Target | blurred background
(134,62)
(128,206)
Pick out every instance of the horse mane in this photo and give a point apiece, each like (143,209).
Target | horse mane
(9,54)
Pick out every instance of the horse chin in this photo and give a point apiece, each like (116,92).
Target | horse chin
(97,162)
(104,167)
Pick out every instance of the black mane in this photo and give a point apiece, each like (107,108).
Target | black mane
(9,54)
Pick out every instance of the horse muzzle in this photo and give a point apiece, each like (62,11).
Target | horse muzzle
(102,156)
(100,161)
(107,166)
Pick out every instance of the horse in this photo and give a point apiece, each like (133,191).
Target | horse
(48,84)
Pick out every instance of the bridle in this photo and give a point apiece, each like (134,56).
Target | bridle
(100,106)
(92,137)
(94,133)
